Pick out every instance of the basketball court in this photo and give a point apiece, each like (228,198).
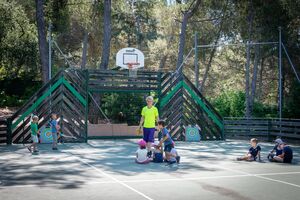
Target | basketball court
(105,169)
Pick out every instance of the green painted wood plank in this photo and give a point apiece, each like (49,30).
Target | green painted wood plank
(170,94)
(74,92)
(38,101)
(203,106)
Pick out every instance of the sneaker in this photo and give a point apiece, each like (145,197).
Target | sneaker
(178,159)
(54,148)
(149,154)
(172,162)
(239,159)
(36,151)
(29,149)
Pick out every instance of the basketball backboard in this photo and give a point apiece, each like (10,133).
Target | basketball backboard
(128,56)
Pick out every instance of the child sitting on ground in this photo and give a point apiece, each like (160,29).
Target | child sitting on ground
(174,157)
(275,149)
(253,153)
(286,156)
(34,134)
(157,153)
(141,153)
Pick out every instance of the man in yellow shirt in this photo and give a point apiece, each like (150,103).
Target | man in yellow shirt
(149,116)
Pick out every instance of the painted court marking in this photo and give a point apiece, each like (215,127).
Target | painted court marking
(158,180)
(261,176)
(111,177)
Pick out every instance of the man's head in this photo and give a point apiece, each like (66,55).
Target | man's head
(161,124)
(278,141)
(282,145)
(149,101)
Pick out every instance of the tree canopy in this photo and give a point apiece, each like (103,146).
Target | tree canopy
(90,32)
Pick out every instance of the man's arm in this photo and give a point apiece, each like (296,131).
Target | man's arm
(141,122)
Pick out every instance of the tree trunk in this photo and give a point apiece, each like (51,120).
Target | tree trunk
(212,54)
(84,49)
(247,66)
(164,58)
(186,15)
(182,43)
(254,79)
(43,46)
(260,83)
(107,35)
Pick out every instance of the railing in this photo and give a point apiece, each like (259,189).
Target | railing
(65,94)
(261,127)
(3,131)
(119,81)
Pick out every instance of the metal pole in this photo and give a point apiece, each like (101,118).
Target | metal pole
(291,63)
(280,77)
(196,62)
(237,44)
(50,46)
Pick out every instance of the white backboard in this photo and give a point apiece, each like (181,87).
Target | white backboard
(130,55)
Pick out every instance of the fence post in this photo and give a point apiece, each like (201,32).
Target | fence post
(223,135)
(269,128)
(87,76)
(8,131)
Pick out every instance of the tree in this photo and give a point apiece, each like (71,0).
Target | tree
(43,46)
(106,35)
(186,15)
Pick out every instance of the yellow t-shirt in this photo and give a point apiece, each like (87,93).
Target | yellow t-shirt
(149,114)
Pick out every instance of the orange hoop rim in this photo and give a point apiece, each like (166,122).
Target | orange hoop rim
(130,65)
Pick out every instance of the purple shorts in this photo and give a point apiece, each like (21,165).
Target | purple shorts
(149,134)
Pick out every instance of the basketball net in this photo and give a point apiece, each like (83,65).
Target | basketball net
(132,72)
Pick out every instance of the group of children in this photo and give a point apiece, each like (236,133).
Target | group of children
(53,123)
(280,153)
(158,154)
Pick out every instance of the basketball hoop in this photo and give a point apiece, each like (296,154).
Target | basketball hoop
(132,71)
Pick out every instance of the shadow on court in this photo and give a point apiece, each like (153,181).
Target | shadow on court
(206,168)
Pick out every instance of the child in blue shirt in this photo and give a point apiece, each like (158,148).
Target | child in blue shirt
(54,130)
(275,149)
(287,154)
(166,139)
(253,153)
(157,153)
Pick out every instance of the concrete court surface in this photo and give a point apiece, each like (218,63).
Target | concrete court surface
(105,169)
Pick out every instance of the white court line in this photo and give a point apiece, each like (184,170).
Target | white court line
(261,176)
(113,178)
(158,180)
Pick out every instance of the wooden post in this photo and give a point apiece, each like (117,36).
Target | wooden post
(159,90)
(9,132)
(87,103)
(269,128)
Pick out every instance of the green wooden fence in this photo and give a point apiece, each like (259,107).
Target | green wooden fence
(265,128)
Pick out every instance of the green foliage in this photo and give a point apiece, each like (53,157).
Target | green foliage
(15,92)
(291,107)
(130,105)
(18,41)
(232,104)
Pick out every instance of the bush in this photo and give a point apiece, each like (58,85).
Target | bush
(232,104)
(130,105)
